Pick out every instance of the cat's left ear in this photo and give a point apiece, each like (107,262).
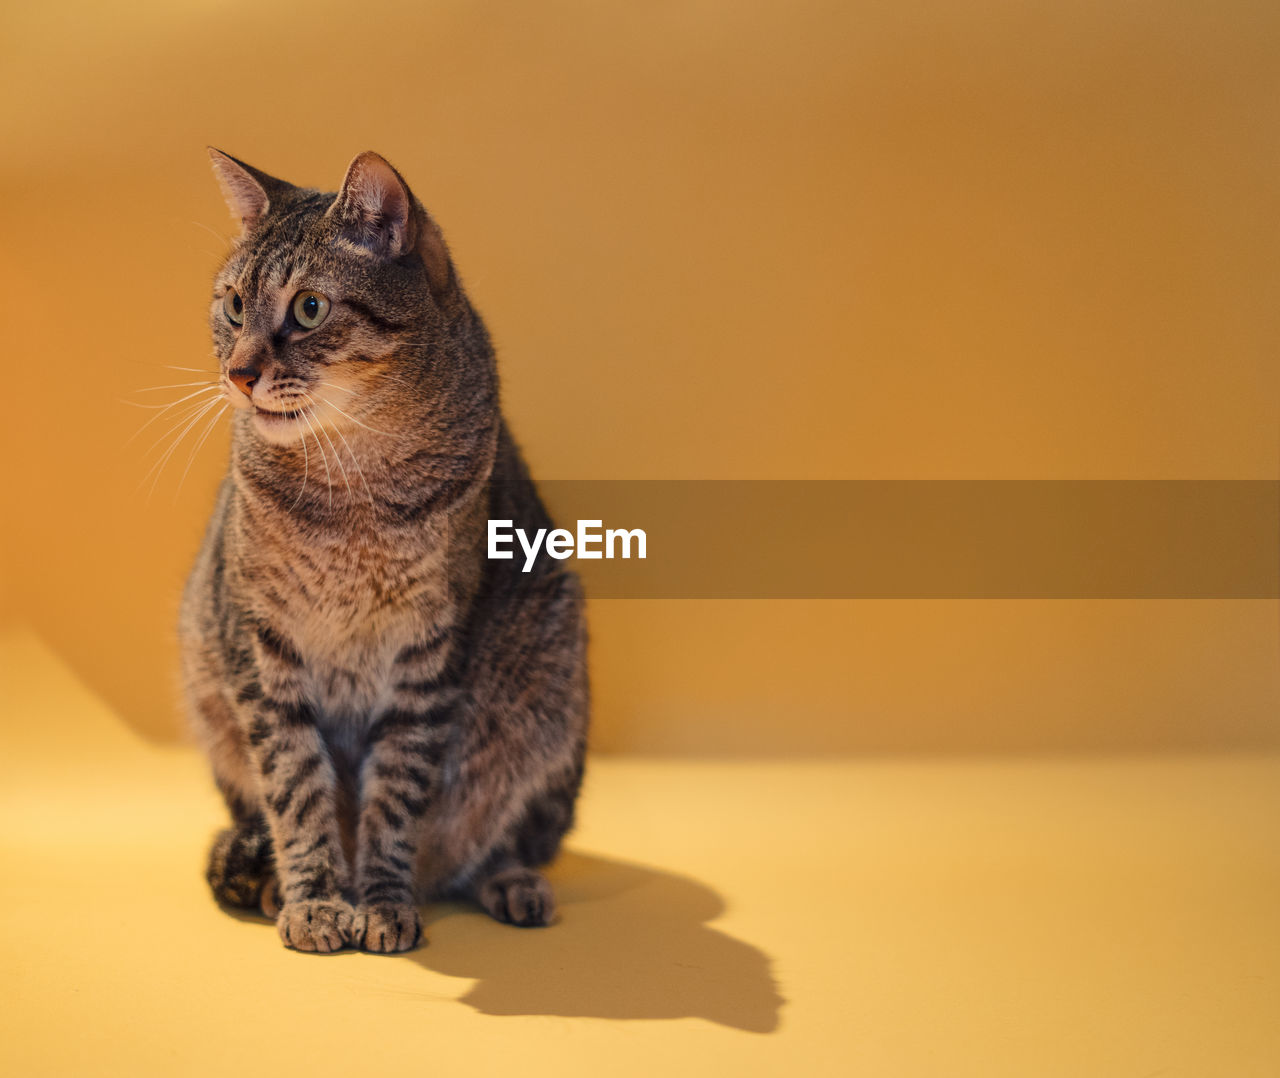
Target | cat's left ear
(378,211)
(375,206)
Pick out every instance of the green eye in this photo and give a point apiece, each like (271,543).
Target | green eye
(233,305)
(310,308)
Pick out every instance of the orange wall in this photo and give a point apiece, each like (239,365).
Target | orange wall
(823,240)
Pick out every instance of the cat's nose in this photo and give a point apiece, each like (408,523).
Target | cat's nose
(244,379)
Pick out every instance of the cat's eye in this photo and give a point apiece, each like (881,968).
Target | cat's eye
(233,306)
(310,309)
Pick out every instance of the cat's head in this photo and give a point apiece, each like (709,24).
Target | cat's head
(326,301)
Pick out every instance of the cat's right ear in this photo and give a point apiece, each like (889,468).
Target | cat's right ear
(247,191)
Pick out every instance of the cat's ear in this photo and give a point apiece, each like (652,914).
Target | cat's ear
(375,207)
(379,212)
(248,192)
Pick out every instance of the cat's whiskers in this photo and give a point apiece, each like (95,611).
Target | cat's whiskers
(183,427)
(311,401)
(175,385)
(324,459)
(204,437)
(306,468)
(155,471)
(336,455)
(182,415)
(162,408)
(150,407)
(326,401)
(356,462)
(380,377)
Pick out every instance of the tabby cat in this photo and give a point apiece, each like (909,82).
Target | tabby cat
(390,716)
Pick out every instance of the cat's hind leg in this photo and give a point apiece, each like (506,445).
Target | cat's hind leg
(508,885)
(241,866)
(516,895)
(241,870)
(518,754)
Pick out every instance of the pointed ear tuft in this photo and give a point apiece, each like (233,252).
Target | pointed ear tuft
(248,192)
(375,207)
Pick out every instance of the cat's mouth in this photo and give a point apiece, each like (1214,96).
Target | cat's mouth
(271,415)
(281,426)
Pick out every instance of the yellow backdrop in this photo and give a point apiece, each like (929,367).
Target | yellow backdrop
(711,239)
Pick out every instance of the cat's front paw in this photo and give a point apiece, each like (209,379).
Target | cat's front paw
(322,926)
(387,927)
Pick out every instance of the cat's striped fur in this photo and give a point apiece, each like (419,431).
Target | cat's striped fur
(390,716)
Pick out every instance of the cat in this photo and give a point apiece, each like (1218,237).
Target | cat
(391,717)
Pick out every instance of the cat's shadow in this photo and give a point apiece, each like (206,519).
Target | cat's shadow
(629,942)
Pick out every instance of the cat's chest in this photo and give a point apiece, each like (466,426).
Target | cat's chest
(349,688)
(361,589)
(350,609)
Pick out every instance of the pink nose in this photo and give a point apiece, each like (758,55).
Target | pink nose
(244,379)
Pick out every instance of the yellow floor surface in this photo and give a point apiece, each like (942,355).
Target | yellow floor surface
(1030,918)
